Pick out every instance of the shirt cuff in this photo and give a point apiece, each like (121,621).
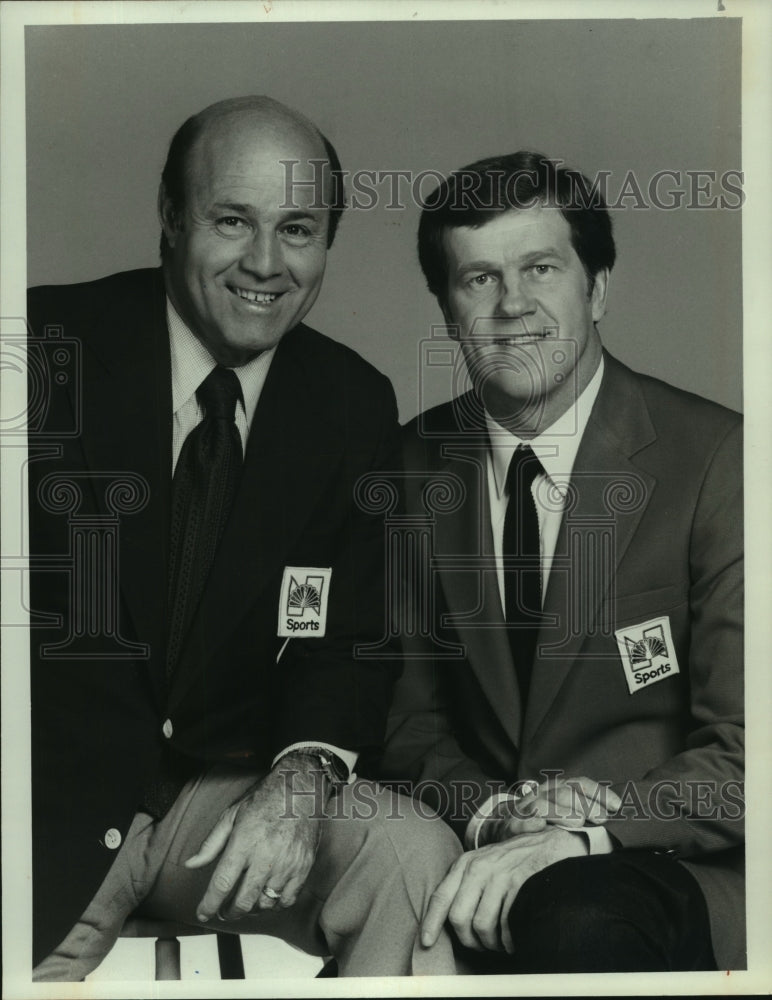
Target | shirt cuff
(349,757)
(473,827)
(596,838)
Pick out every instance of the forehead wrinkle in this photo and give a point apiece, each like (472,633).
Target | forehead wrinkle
(524,242)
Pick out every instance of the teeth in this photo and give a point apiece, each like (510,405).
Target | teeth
(514,341)
(263,297)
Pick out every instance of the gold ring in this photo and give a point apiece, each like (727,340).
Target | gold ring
(271,893)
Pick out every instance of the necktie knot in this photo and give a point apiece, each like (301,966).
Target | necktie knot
(219,393)
(524,467)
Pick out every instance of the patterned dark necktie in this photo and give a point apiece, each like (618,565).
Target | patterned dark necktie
(522,575)
(205,482)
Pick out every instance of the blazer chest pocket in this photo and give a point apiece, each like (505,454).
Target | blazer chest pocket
(629,609)
(649,635)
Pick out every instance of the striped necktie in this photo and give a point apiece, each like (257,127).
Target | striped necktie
(205,482)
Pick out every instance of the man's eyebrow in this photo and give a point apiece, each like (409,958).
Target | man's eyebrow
(299,215)
(476,265)
(528,258)
(534,255)
(296,215)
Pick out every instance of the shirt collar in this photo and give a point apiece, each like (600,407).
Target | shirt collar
(192,362)
(556,447)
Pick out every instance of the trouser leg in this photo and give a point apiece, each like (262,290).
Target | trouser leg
(377,864)
(92,937)
(631,911)
(126,884)
(377,876)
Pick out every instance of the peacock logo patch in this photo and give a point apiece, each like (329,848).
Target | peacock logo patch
(647,652)
(303,601)
(304,595)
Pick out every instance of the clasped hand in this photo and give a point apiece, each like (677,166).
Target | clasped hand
(567,802)
(265,840)
(478,892)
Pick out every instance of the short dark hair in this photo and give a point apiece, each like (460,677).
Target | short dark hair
(473,195)
(173,175)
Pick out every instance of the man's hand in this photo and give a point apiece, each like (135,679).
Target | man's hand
(567,802)
(266,840)
(477,893)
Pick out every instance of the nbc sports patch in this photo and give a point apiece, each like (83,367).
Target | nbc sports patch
(647,652)
(305,591)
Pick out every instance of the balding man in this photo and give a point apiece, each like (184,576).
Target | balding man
(199,714)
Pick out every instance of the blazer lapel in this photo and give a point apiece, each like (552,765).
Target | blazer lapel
(467,570)
(126,438)
(611,494)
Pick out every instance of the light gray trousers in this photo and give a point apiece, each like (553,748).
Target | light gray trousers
(376,867)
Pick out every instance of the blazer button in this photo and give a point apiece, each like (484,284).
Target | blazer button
(113,839)
(167,729)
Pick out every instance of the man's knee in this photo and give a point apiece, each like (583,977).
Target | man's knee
(557,929)
(422,838)
(384,826)
(607,914)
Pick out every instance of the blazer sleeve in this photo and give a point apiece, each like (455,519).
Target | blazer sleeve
(692,803)
(424,756)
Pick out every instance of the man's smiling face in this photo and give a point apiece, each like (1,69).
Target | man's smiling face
(519,296)
(243,268)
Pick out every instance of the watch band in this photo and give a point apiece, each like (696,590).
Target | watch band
(332,766)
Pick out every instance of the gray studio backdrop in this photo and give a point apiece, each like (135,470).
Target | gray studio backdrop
(615,96)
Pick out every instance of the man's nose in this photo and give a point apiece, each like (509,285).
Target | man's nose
(516,298)
(263,255)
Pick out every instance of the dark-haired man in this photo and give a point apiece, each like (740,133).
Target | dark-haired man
(200,709)
(573,700)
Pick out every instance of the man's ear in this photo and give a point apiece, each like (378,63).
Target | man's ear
(599,294)
(167,216)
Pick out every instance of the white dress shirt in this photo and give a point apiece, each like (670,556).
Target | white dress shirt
(556,449)
(191,363)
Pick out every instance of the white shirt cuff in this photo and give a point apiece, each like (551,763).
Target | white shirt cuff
(596,837)
(473,827)
(349,757)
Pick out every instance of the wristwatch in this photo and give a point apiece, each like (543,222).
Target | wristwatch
(331,765)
